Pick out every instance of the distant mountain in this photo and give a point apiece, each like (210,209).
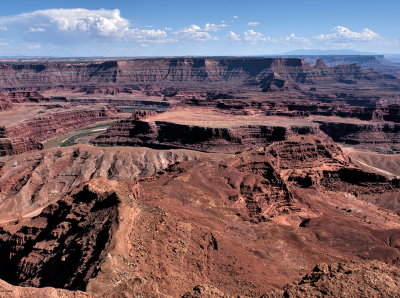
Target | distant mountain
(327,52)
(393,57)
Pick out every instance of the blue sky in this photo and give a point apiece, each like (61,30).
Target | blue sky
(175,27)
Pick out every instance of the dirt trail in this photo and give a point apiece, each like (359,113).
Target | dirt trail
(25,216)
(374,168)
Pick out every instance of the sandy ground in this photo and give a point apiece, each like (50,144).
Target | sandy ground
(20,114)
(212,118)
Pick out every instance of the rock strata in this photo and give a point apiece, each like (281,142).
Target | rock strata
(271,74)
(28,135)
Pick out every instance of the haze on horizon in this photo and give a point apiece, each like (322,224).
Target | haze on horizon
(218,28)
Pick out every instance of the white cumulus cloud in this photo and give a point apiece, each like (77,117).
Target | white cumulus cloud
(195,33)
(214,27)
(343,34)
(249,36)
(293,38)
(33,46)
(233,36)
(78,22)
(37,29)
(234,19)
(254,36)
(79,28)
(253,24)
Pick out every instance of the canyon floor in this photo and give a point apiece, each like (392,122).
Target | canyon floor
(199,177)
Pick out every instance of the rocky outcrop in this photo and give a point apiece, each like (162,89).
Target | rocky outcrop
(390,112)
(309,162)
(304,152)
(358,182)
(275,83)
(142,114)
(63,246)
(351,279)
(9,290)
(7,100)
(20,96)
(11,146)
(5,105)
(354,279)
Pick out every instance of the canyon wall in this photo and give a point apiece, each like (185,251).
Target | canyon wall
(164,134)
(268,73)
(375,136)
(379,137)
(28,135)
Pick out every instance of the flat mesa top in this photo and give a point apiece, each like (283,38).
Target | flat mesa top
(212,118)
(215,119)
(20,114)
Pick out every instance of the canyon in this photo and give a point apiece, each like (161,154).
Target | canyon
(23,129)
(200,177)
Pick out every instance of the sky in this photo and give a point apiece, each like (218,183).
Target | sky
(195,28)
